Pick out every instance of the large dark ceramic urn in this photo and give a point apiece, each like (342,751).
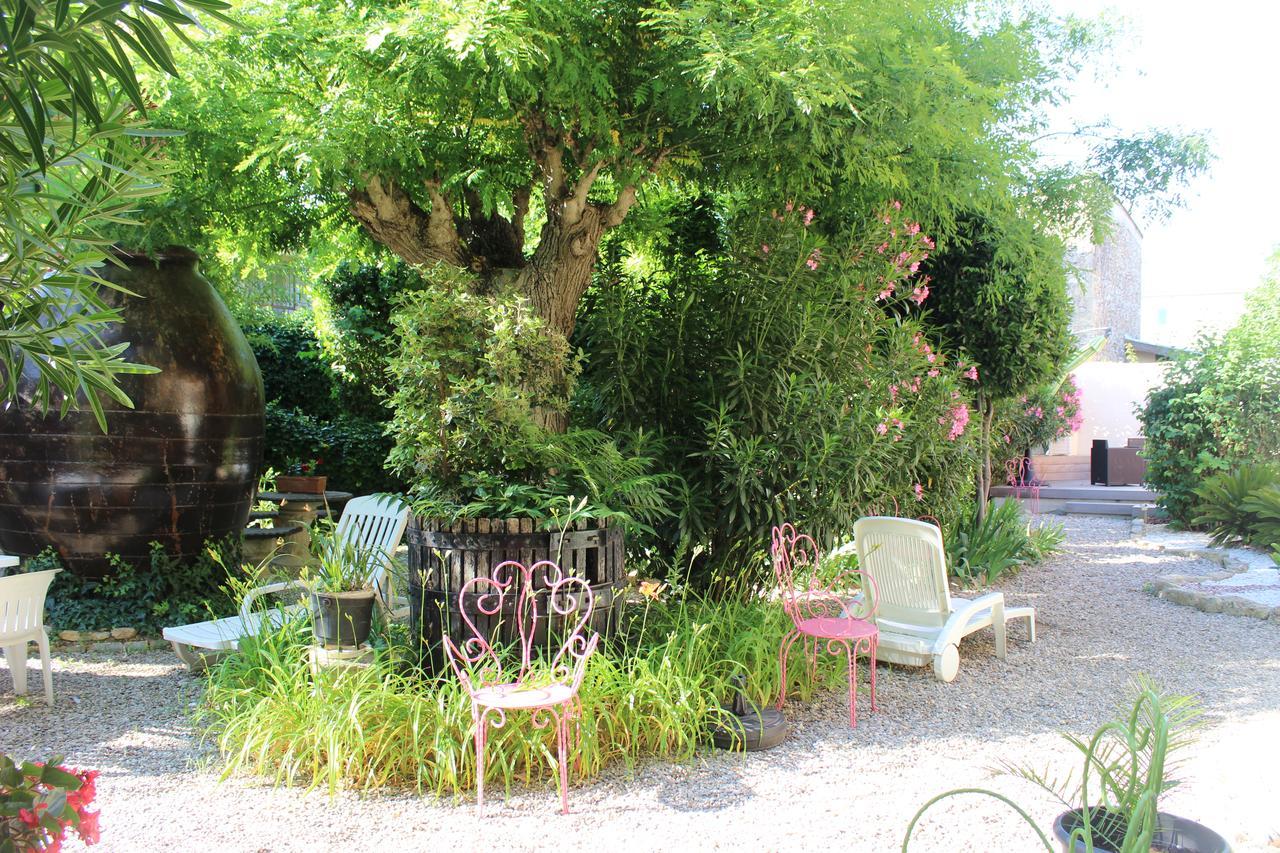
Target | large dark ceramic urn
(179,469)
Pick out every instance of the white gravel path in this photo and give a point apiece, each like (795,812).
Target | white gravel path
(826,788)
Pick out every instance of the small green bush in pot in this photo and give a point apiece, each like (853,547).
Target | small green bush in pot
(343,591)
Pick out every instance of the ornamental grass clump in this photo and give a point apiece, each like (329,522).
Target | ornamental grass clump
(651,692)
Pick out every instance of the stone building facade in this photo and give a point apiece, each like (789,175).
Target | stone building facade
(1106,288)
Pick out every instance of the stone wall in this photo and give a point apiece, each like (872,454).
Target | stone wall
(1107,291)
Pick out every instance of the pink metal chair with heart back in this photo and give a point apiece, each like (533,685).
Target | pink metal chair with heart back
(837,612)
(524,610)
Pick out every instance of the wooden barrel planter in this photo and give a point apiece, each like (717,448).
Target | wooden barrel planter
(443,557)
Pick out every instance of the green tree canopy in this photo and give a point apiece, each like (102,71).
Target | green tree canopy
(1002,299)
(507,138)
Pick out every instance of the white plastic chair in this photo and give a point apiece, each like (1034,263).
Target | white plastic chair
(22,621)
(920,621)
(369,522)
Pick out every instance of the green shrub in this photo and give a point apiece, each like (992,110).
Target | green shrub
(781,387)
(1226,505)
(167,591)
(295,374)
(652,692)
(1264,506)
(981,550)
(478,388)
(352,449)
(1218,408)
(353,323)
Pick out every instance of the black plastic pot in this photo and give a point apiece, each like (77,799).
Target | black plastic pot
(1173,834)
(342,619)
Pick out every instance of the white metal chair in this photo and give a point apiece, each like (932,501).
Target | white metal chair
(369,522)
(21,622)
(920,621)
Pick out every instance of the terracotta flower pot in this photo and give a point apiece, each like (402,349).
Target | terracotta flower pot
(301,485)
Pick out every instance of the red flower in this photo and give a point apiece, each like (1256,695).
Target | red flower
(28,817)
(88,830)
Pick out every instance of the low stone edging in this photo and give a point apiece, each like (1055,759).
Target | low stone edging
(116,640)
(1176,588)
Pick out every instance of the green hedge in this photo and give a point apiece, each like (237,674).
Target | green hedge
(1218,408)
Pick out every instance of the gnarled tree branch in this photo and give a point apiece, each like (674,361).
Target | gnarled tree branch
(396,221)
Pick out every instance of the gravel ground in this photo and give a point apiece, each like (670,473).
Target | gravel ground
(826,787)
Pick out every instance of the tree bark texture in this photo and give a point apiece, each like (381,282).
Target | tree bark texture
(553,278)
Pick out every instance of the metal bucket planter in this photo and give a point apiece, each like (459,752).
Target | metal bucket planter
(342,620)
(444,557)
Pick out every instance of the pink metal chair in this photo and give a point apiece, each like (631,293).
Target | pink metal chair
(838,613)
(1021,478)
(525,605)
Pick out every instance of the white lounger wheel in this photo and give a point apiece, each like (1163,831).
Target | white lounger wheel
(947,665)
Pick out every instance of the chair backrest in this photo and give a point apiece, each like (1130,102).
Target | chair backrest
(375,523)
(806,595)
(524,605)
(909,563)
(22,603)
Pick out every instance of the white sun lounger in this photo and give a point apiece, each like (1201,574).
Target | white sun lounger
(920,621)
(373,521)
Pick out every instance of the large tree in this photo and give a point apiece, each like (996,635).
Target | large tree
(507,138)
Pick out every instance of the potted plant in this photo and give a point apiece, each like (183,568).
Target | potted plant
(1113,807)
(301,477)
(342,594)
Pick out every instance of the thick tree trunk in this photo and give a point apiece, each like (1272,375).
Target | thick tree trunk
(557,276)
(986,411)
(559,271)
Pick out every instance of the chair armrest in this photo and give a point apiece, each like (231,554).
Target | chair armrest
(246,606)
(953,630)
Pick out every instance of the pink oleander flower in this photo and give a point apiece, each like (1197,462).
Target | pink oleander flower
(882,248)
(915,267)
(919,490)
(971,373)
(897,423)
(1007,439)
(897,205)
(920,294)
(933,371)
(808,217)
(884,294)
(791,205)
(882,427)
(959,420)
(913,228)
(915,384)
(764,247)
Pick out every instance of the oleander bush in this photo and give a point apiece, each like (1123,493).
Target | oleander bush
(770,359)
